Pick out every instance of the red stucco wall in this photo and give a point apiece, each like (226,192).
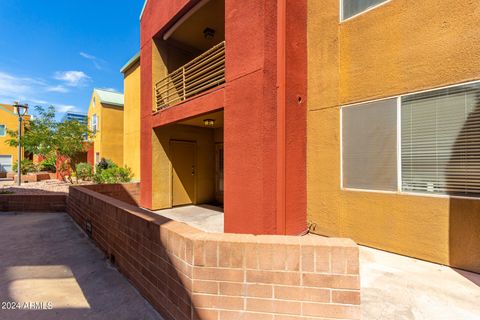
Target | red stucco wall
(265,158)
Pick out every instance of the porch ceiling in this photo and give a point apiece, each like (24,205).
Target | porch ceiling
(211,15)
(199,120)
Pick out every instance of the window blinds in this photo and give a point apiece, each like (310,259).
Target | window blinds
(369,139)
(441,141)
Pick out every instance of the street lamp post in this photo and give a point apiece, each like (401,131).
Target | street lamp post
(20,114)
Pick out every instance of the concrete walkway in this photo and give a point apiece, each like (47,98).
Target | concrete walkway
(47,263)
(204,217)
(395,287)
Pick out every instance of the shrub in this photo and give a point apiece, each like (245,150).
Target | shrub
(84,171)
(105,164)
(49,164)
(27,166)
(113,174)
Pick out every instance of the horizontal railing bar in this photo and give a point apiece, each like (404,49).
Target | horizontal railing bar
(202,73)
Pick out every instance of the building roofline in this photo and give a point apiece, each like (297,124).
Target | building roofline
(143,9)
(109,102)
(130,62)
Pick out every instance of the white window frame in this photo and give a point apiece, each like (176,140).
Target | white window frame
(5,134)
(11,159)
(399,146)
(360,13)
(94,128)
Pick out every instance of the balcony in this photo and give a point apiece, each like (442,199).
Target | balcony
(199,75)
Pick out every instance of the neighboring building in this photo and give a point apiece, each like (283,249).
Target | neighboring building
(80,117)
(8,121)
(105,115)
(356,116)
(131,116)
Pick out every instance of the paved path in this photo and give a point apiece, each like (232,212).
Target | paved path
(204,217)
(394,287)
(46,259)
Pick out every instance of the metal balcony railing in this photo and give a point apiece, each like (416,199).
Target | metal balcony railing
(202,73)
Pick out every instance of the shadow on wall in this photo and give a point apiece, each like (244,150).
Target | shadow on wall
(464,214)
(126,192)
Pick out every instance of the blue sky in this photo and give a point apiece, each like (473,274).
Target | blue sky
(55,52)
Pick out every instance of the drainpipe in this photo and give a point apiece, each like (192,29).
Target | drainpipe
(281,115)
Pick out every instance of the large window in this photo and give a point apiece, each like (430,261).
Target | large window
(441,141)
(3,130)
(438,143)
(353,7)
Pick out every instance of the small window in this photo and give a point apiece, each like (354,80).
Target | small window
(3,130)
(94,102)
(97,157)
(94,123)
(354,7)
(369,139)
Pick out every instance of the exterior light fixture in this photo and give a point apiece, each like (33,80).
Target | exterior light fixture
(21,111)
(210,123)
(209,33)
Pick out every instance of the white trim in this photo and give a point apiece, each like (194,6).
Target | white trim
(143,9)
(399,144)
(341,147)
(441,88)
(416,194)
(410,93)
(360,13)
(4,135)
(187,15)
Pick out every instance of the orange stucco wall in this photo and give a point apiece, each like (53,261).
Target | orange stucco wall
(400,47)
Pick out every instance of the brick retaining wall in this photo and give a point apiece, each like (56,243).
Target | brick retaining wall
(127,192)
(33,203)
(189,274)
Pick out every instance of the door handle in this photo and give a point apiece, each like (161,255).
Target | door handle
(193,170)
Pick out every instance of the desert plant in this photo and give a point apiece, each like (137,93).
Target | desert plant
(108,172)
(49,164)
(27,166)
(84,171)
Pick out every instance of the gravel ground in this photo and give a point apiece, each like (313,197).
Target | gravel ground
(43,187)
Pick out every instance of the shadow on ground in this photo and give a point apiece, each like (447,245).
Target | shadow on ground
(47,260)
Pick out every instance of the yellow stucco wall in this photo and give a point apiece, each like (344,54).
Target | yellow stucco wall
(11,122)
(108,141)
(131,120)
(400,47)
(205,168)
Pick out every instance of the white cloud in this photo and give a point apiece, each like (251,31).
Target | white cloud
(62,108)
(97,62)
(12,85)
(58,88)
(72,78)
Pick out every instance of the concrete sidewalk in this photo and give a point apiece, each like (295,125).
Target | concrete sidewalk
(395,287)
(47,263)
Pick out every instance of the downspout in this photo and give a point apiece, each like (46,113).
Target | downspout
(281,116)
